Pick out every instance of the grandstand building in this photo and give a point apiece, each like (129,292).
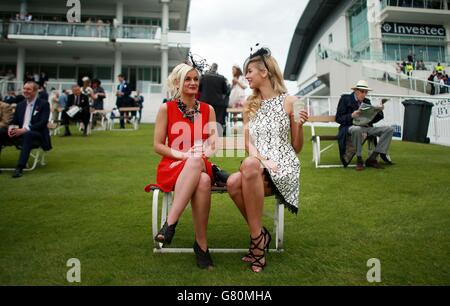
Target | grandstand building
(336,43)
(143,39)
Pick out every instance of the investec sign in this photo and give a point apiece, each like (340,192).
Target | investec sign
(413,29)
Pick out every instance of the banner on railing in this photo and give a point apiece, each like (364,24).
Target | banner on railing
(442,108)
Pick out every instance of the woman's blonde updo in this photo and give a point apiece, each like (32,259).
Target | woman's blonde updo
(176,79)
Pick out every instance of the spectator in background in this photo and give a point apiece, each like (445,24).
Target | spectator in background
(6,114)
(410,58)
(139,99)
(87,90)
(19,97)
(43,79)
(123,98)
(28,77)
(409,69)
(98,95)
(237,95)
(439,68)
(443,83)
(100,28)
(43,93)
(422,65)
(82,101)
(10,76)
(404,67)
(36,77)
(10,98)
(55,104)
(63,99)
(213,89)
(437,82)
(431,79)
(349,109)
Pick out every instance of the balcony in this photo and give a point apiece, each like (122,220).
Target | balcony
(135,33)
(421,4)
(83,32)
(420,11)
(58,30)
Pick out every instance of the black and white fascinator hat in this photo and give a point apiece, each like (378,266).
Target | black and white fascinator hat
(256,51)
(198,63)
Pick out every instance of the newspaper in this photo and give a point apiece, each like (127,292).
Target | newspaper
(368,113)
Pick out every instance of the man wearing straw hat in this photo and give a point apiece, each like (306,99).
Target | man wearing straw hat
(348,110)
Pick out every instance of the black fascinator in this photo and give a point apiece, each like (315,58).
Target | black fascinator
(258,51)
(198,62)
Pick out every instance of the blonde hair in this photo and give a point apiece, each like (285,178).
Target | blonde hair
(176,79)
(276,79)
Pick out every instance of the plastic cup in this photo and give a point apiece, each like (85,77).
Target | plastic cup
(198,146)
(299,105)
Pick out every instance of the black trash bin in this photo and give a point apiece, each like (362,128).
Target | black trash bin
(416,120)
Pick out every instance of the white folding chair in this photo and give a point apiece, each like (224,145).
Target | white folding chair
(37,157)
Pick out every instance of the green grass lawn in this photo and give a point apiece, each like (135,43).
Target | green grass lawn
(89,203)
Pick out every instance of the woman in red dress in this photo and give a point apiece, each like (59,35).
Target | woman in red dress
(185,138)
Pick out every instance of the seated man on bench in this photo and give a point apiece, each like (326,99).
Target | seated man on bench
(348,110)
(28,127)
(78,99)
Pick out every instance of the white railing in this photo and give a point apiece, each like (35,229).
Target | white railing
(436,5)
(85,30)
(439,127)
(405,81)
(137,32)
(397,79)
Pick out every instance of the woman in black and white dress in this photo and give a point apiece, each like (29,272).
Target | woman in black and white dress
(272,167)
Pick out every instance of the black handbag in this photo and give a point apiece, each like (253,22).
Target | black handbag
(220,176)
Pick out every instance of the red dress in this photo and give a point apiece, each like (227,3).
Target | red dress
(182,134)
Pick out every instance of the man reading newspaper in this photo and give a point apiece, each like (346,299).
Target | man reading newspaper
(356,117)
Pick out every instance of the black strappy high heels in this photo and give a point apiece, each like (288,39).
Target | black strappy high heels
(259,260)
(166,233)
(268,238)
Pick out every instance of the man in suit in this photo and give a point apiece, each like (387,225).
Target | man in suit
(82,101)
(28,127)
(123,98)
(213,90)
(349,109)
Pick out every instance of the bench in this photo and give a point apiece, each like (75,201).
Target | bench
(161,211)
(134,120)
(317,140)
(55,125)
(104,122)
(235,115)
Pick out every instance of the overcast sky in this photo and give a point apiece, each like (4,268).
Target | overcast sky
(223,31)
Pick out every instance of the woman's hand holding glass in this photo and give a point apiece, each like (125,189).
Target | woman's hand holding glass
(300,112)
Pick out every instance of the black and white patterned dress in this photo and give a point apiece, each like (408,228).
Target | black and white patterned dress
(269,132)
